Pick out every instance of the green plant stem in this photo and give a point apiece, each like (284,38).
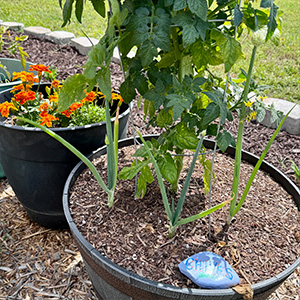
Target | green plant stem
(258,164)
(111,164)
(238,151)
(187,183)
(159,178)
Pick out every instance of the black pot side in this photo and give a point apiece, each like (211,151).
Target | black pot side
(37,166)
(113,282)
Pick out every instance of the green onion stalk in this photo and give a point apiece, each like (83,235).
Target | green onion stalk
(235,205)
(112,152)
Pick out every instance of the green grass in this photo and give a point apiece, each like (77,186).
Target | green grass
(278,67)
(47,13)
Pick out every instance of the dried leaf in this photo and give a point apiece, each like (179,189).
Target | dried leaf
(245,290)
(221,244)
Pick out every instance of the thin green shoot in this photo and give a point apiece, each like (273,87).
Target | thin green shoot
(173,213)
(296,170)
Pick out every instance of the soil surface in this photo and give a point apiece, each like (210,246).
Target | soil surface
(134,232)
(37,263)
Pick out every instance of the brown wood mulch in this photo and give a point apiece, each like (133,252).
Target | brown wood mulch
(38,263)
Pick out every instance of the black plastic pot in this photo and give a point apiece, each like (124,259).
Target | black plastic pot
(37,166)
(113,282)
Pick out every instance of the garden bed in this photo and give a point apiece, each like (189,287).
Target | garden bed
(38,263)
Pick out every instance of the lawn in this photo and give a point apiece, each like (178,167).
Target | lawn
(277,67)
(47,13)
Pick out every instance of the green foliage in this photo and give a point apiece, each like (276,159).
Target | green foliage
(296,170)
(13,45)
(88,114)
(178,44)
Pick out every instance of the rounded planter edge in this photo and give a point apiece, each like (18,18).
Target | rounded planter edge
(138,287)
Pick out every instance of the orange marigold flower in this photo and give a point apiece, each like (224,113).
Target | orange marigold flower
(25,76)
(5,107)
(89,97)
(55,83)
(40,68)
(66,113)
(53,98)
(44,106)
(71,109)
(19,87)
(24,96)
(47,119)
(74,106)
(116,96)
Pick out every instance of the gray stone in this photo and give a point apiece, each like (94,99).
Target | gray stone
(37,31)
(15,26)
(56,256)
(292,123)
(83,44)
(60,37)
(116,55)
(209,270)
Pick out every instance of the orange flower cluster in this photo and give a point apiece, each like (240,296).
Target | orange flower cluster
(40,69)
(5,107)
(28,102)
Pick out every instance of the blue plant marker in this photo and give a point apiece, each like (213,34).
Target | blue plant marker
(209,270)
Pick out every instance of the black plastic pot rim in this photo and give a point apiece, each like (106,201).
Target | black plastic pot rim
(144,282)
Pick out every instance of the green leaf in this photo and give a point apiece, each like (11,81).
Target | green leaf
(272,24)
(230,48)
(139,24)
(198,7)
(164,118)
(161,31)
(144,178)
(189,32)
(167,167)
(184,137)
(127,90)
(99,6)
(147,52)
(179,104)
(224,140)
(130,172)
(179,5)
(78,9)
(156,95)
(67,11)
(95,59)
(238,15)
(212,112)
(72,91)
(104,81)
(266,3)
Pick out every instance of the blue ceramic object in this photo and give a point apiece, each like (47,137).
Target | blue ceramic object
(209,270)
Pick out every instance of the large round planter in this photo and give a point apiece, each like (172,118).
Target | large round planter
(113,282)
(12,65)
(37,166)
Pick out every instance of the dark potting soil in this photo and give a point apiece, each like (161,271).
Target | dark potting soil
(263,239)
(265,233)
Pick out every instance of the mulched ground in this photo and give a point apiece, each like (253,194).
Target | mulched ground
(37,263)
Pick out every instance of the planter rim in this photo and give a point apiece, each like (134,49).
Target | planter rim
(155,286)
(10,83)
(59,129)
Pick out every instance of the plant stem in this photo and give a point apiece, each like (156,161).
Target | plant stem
(238,151)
